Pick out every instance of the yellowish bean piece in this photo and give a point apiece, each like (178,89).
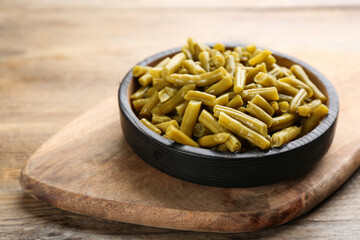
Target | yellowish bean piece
(164,125)
(192,67)
(145,79)
(151,126)
(200,80)
(156,72)
(174,64)
(269,62)
(259,113)
(213,140)
(180,137)
(236,56)
(167,137)
(156,87)
(204,58)
(170,105)
(251,73)
(200,130)
(185,50)
(251,48)
(260,57)
(222,148)
(138,70)
(307,108)
(149,105)
(276,71)
(139,103)
(297,84)
(283,97)
(263,104)
(316,116)
(140,93)
(287,72)
(236,102)
(251,122)
(269,93)
(156,81)
(239,50)
(221,86)
(239,79)
(159,118)
(190,117)
(182,71)
(284,136)
(298,100)
(250,86)
(300,74)
(191,43)
(233,144)
(163,62)
(217,58)
(222,100)
(166,93)
(230,64)
(198,49)
(205,98)
(220,47)
(283,121)
(284,107)
(180,109)
(242,131)
(274,105)
(270,81)
(242,109)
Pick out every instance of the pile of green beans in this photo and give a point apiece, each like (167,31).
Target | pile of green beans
(227,100)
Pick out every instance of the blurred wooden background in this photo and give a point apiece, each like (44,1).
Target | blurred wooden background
(59,58)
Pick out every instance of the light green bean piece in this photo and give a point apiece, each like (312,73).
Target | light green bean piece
(298,100)
(190,117)
(300,74)
(151,126)
(205,98)
(233,144)
(192,67)
(180,137)
(251,122)
(284,136)
(174,64)
(213,140)
(242,131)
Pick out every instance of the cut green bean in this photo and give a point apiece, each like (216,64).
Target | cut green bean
(242,131)
(213,140)
(298,100)
(316,116)
(180,137)
(151,126)
(239,79)
(205,98)
(164,125)
(190,117)
(306,109)
(263,104)
(251,122)
(300,74)
(233,144)
(284,136)
(259,113)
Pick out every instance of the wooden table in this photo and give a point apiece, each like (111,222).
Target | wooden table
(59,58)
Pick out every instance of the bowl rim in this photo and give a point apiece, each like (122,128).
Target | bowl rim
(325,124)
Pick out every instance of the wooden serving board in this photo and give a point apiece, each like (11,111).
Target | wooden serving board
(88,168)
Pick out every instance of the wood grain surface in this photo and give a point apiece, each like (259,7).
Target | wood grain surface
(58,60)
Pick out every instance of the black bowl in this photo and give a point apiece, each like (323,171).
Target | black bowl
(208,167)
